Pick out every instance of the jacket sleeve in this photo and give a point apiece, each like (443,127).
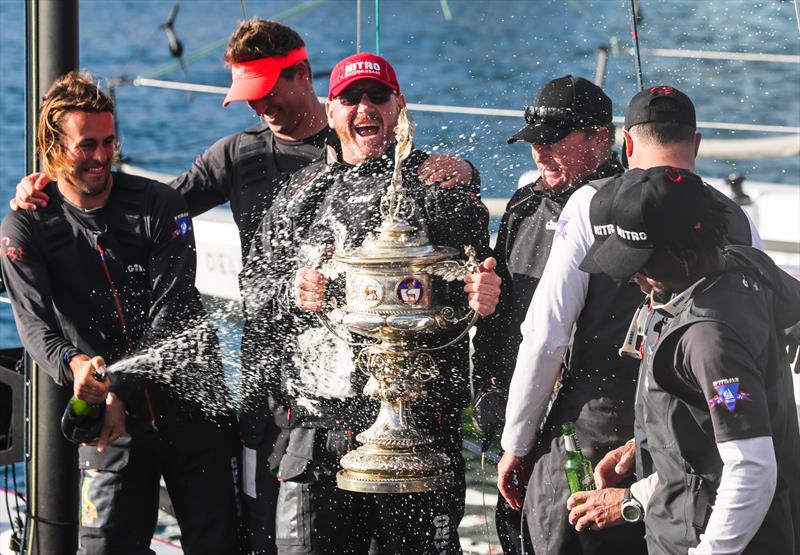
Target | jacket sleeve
(29,288)
(547,329)
(208,182)
(494,341)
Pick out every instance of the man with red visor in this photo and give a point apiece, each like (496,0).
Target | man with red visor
(334,203)
(270,71)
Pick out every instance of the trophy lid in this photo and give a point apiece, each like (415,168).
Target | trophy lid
(396,242)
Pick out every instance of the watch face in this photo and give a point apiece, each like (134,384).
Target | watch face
(631,513)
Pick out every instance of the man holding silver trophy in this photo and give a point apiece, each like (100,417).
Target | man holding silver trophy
(329,209)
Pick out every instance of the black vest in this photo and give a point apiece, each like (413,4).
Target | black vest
(679,438)
(84,304)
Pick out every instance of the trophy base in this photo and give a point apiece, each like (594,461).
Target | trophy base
(373,469)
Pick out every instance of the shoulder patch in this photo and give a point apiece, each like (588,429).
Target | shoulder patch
(184,225)
(12,252)
(728,393)
(561,227)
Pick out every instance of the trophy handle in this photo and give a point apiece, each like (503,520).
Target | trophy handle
(451,270)
(325,320)
(472,316)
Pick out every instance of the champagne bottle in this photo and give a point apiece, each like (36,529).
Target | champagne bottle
(82,421)
(580,475)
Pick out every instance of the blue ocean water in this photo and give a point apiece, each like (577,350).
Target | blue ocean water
(493,54)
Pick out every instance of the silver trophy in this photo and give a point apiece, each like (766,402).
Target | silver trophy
(396,290)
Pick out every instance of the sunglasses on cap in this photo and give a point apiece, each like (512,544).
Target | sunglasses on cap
(376,95)
(560,117)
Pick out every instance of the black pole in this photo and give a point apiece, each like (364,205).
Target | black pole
(635,33)
(52,477)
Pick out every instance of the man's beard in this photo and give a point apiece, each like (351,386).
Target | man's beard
(73,178)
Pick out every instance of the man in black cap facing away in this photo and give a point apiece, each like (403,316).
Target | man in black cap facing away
(571,134)
(588,317)
(717,407)
(660,130)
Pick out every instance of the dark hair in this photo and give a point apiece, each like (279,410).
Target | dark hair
(665,133)
(708,236)
(260,38)
(74,92)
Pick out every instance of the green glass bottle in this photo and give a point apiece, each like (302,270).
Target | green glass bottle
(81,421)
(579,471)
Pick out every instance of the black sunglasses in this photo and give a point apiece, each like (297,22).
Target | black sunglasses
(559,117)
(376,95)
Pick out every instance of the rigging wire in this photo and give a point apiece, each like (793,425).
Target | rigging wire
(11,521)
(378,27)
(797,14)
(635,33)
(220,44)
(244,9)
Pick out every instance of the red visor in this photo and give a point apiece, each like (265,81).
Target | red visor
(254,79)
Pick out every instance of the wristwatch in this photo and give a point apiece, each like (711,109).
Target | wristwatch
(632,510)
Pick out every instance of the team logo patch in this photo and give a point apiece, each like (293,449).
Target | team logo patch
(12,253)
(184,223)
(728,394)
(561,227)
(410,291)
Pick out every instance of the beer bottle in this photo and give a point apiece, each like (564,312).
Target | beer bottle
(81,421)
(577,467)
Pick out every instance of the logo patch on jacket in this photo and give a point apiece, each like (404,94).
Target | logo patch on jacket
(184,223)
(727,394)
(561,227)
(13,253)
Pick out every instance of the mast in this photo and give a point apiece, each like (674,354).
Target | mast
(51,462)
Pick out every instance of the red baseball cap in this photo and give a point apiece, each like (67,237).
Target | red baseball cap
(255,79)
(361,66)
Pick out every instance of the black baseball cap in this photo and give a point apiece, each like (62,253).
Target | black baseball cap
(561,106)
(601,220)
(663,104)
(649,207)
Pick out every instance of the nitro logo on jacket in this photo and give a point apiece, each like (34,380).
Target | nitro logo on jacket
(184,223)
(7,251)
(727,394)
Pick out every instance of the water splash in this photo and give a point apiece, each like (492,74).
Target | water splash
(188,364)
